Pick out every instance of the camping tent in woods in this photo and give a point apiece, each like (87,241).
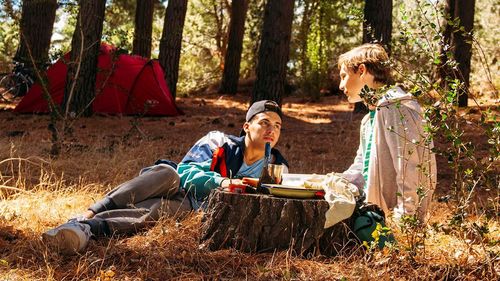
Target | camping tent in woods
(125,84)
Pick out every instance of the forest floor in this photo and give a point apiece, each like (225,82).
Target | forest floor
(39,191)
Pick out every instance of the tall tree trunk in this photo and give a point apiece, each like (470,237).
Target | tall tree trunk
(274,51)
(82,69)
(232,59)
(305,26)
(443,69)
(143,28)
(377,28)
(377,24)
(457,45)
(462,45)
(171,42)
(221,35)
(37,21)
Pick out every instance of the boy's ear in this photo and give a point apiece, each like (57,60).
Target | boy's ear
(362,69)
(245,127)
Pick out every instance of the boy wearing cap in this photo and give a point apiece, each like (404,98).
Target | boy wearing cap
(394,163)
(216,160)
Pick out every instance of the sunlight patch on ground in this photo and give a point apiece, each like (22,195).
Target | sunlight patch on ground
(35,211)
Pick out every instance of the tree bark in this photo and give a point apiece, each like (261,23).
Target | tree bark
(462,45)
(261,223)
(82,69)
(221,35)
(171,42)
(231,74)
(377,28)
(143,28)
(443,69)
(37,21)
(457,45)
(274,51)
(377,24)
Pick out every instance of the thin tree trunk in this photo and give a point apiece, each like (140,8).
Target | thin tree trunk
(274,51)
(457,45)
(221,36)
(171,42)
(305,26)
(143,28)
(37,21)
(232,59)
(443,69)
(377,24)
(462,44)
(82,69)
(377,28)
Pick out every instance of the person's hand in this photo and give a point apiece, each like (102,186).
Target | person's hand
(250,181)
(227,181)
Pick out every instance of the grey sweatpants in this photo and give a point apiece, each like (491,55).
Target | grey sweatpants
(139,203)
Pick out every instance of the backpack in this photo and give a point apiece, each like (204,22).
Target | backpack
(365,219)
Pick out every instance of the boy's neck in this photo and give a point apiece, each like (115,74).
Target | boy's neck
(252,154)
(375,85)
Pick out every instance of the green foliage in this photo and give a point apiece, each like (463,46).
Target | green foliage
(204,44)
(9,33)
(486,52)
(328,29)
(417,56)
(251,40)
(64,27)
(118,26)
(317,41)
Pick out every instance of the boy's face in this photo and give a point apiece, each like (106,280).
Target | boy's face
(351,83)
(264,127)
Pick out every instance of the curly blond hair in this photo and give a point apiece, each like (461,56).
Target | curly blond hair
(373,56)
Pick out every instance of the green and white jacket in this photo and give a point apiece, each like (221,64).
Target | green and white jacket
(399,163)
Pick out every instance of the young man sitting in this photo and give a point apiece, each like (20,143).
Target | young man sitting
(394,163)
(216,160)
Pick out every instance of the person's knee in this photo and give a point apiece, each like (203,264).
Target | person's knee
(159,168)
(168,171)
(165,170)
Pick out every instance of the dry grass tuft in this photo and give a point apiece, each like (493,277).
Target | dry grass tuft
(38,192)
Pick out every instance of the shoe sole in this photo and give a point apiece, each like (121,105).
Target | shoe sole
(64,241)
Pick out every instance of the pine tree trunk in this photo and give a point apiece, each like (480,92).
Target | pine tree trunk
(37,21)
(260,223)
(143,28)
(377,24)
(232,59)
(377,28)
(82,69)
(459,44)
(443,69)
(274,51)
(462,45)
(171,42)
(305,27)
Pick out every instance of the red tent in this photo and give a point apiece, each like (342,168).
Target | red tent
(125,84)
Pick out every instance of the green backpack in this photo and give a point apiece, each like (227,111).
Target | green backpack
(366,219)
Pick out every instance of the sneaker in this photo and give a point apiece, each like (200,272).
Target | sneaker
(68,238)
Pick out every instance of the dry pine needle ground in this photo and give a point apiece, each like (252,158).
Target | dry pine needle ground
(39,192)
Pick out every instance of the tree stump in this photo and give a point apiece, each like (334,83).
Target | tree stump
(263,223)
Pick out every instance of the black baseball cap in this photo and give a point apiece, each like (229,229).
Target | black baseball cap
(263,106)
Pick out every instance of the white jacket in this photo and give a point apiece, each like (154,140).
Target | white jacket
(400,161)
